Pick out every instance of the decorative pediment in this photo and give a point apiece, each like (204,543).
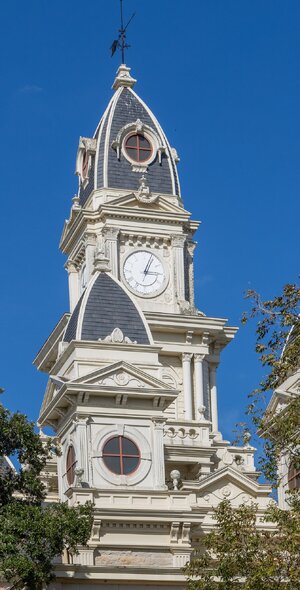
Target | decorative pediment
(124,375)
(232,484)
(53,387)
(138,200)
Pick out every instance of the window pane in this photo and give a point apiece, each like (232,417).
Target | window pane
(132,153)
(70,465)
(144,143)
(144,155)
(113,463)
(112,446)
(129,448)
(130,464)
(132,141)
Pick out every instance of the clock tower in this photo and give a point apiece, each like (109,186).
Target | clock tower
(132,390)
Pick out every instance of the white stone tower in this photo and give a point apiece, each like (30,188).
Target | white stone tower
(132,393)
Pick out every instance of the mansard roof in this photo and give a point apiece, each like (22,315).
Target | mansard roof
(109,168)
(103,308)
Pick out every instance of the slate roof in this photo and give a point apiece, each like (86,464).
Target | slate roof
(107,171)
(104,306)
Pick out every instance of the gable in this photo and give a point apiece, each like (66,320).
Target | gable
(162,204)
(122,374)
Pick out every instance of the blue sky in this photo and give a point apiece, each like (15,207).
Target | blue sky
(222,76)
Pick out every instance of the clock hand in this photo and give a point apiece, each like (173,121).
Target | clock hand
(154,273)
(148,265)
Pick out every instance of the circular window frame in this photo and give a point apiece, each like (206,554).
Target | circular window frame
(164,285)
(127,149)
(121,454)
(152,141)
(138,439)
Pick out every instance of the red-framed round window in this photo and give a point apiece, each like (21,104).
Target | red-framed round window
(121,455)
(138,148)
(70,465)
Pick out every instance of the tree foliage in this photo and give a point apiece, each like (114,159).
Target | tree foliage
(242,553)
(278,347)
(32,531)
(246,551)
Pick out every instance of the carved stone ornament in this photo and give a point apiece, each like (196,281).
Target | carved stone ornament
(144,194)
(123,78)
(117,337)
(175,154)
(139,127)
(121,379)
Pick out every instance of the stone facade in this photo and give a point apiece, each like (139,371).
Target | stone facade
(132,390)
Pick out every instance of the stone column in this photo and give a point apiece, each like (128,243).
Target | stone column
(111,240)
(213,396)
(187,385)
(178,242)
(198,367)
(89,242)
(158,453)
(73,284)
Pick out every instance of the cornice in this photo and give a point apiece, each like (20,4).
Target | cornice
(51,342)
(96,345)
(73,230)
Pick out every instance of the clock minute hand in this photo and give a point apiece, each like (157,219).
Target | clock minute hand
(148,265)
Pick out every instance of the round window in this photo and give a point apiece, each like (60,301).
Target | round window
(70,465)
(138,148)
(121,455)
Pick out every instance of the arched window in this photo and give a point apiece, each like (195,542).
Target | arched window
(121,455)
(138,148)
(70,465)
(294,477)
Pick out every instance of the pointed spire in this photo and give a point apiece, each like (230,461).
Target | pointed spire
(123,78)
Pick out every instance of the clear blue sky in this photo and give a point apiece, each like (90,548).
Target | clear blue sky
(222,76)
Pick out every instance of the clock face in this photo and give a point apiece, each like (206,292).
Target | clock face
(144,273)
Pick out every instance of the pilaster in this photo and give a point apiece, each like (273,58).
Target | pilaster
(178,242)
(110,235)
(187,385)
(90,244)
(158,453)
(73,284)
(198,368)
(213,396)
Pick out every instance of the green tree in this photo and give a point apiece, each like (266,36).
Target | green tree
(32,531)
(278,347)
(244,551)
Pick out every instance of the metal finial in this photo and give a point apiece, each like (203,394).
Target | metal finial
(120,42)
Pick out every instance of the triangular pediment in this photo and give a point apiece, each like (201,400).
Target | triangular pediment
(229,483)
(162,204)
(125,375)
(53,387)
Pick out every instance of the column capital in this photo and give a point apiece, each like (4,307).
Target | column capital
(70,266)
(191,247)
(89,239)
(199,358)
(178,240)
(186,357)
(110,232)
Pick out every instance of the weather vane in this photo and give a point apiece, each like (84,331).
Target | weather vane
(120,42)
